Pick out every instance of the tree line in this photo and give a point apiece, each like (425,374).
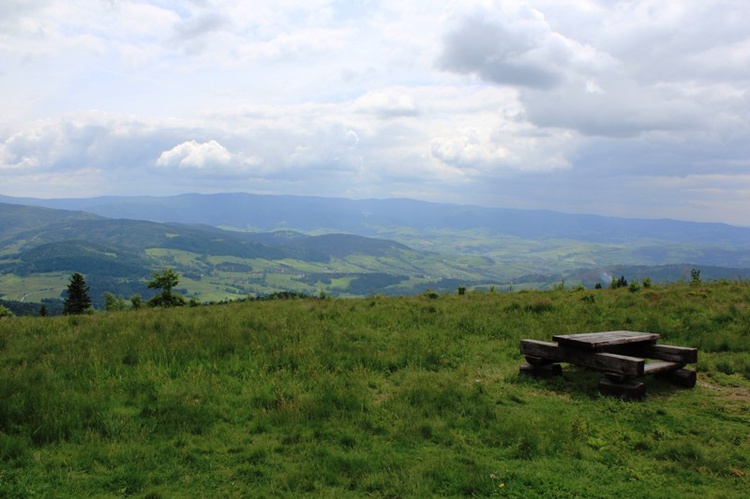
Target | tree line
(78,298)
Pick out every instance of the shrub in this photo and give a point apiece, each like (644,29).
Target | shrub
(539,306)
(4,312)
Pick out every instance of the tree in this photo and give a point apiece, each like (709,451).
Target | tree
(619,283)
(4,312)
(77,300)
(165,280)
(113,302)
(695,277)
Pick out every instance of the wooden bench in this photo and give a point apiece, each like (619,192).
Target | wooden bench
(620,355)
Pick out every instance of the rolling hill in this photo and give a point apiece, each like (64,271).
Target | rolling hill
(234,245)
(41,247)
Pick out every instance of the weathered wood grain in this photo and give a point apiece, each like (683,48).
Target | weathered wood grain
(660,367)
(669,353)
(606,362)
(685,378)
(599,341)
(628,390)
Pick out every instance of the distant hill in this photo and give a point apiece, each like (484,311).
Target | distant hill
(230,245)
(117,255)
(369,217)
(40,232)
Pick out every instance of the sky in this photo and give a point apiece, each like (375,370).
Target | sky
(635,109)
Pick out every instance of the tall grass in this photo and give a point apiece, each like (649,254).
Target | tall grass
(411,396)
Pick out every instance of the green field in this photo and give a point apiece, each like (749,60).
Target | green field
(389,397)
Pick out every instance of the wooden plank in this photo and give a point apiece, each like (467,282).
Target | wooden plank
(598,341)
(681,377)
(660,367)
(628,390)
(606,362)
(670,353)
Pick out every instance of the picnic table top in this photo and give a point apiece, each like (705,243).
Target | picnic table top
(595,341)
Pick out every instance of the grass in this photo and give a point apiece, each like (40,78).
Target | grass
(410,396)
(33,288)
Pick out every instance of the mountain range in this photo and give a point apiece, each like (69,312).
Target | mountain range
(369,217)
(237,244)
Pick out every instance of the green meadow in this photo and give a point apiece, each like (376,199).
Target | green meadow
(413,396)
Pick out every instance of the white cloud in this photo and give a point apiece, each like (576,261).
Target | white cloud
(194,155)
(468,150)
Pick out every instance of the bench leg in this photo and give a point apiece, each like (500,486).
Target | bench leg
(627,390)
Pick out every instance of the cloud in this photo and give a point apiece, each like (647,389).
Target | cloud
(49,145)
(390,103)
(639,78)
(497,53)
(194,155)
(514,44)
(563,105)
(200,25)
(208,160)
(467,150)
(616,108)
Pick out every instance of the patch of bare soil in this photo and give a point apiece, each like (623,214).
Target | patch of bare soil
(731,393)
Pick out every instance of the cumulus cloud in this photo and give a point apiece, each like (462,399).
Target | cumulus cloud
(49,145)
(467,150)
(624,86)
(513,44)
(497,54)
(192,154)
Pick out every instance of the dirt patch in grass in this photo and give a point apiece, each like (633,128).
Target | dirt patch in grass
(730,393)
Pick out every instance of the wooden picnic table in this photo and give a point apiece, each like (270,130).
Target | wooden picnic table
(620,355)
(601,341)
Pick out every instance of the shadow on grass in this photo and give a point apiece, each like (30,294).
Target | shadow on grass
(583,383)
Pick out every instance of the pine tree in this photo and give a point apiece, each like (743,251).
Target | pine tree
(78,300)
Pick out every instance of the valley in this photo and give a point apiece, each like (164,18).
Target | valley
(243,245)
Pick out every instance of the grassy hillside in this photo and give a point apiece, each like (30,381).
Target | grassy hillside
(399,397)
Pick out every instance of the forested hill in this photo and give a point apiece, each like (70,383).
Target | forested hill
(342,247)
(36,232)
